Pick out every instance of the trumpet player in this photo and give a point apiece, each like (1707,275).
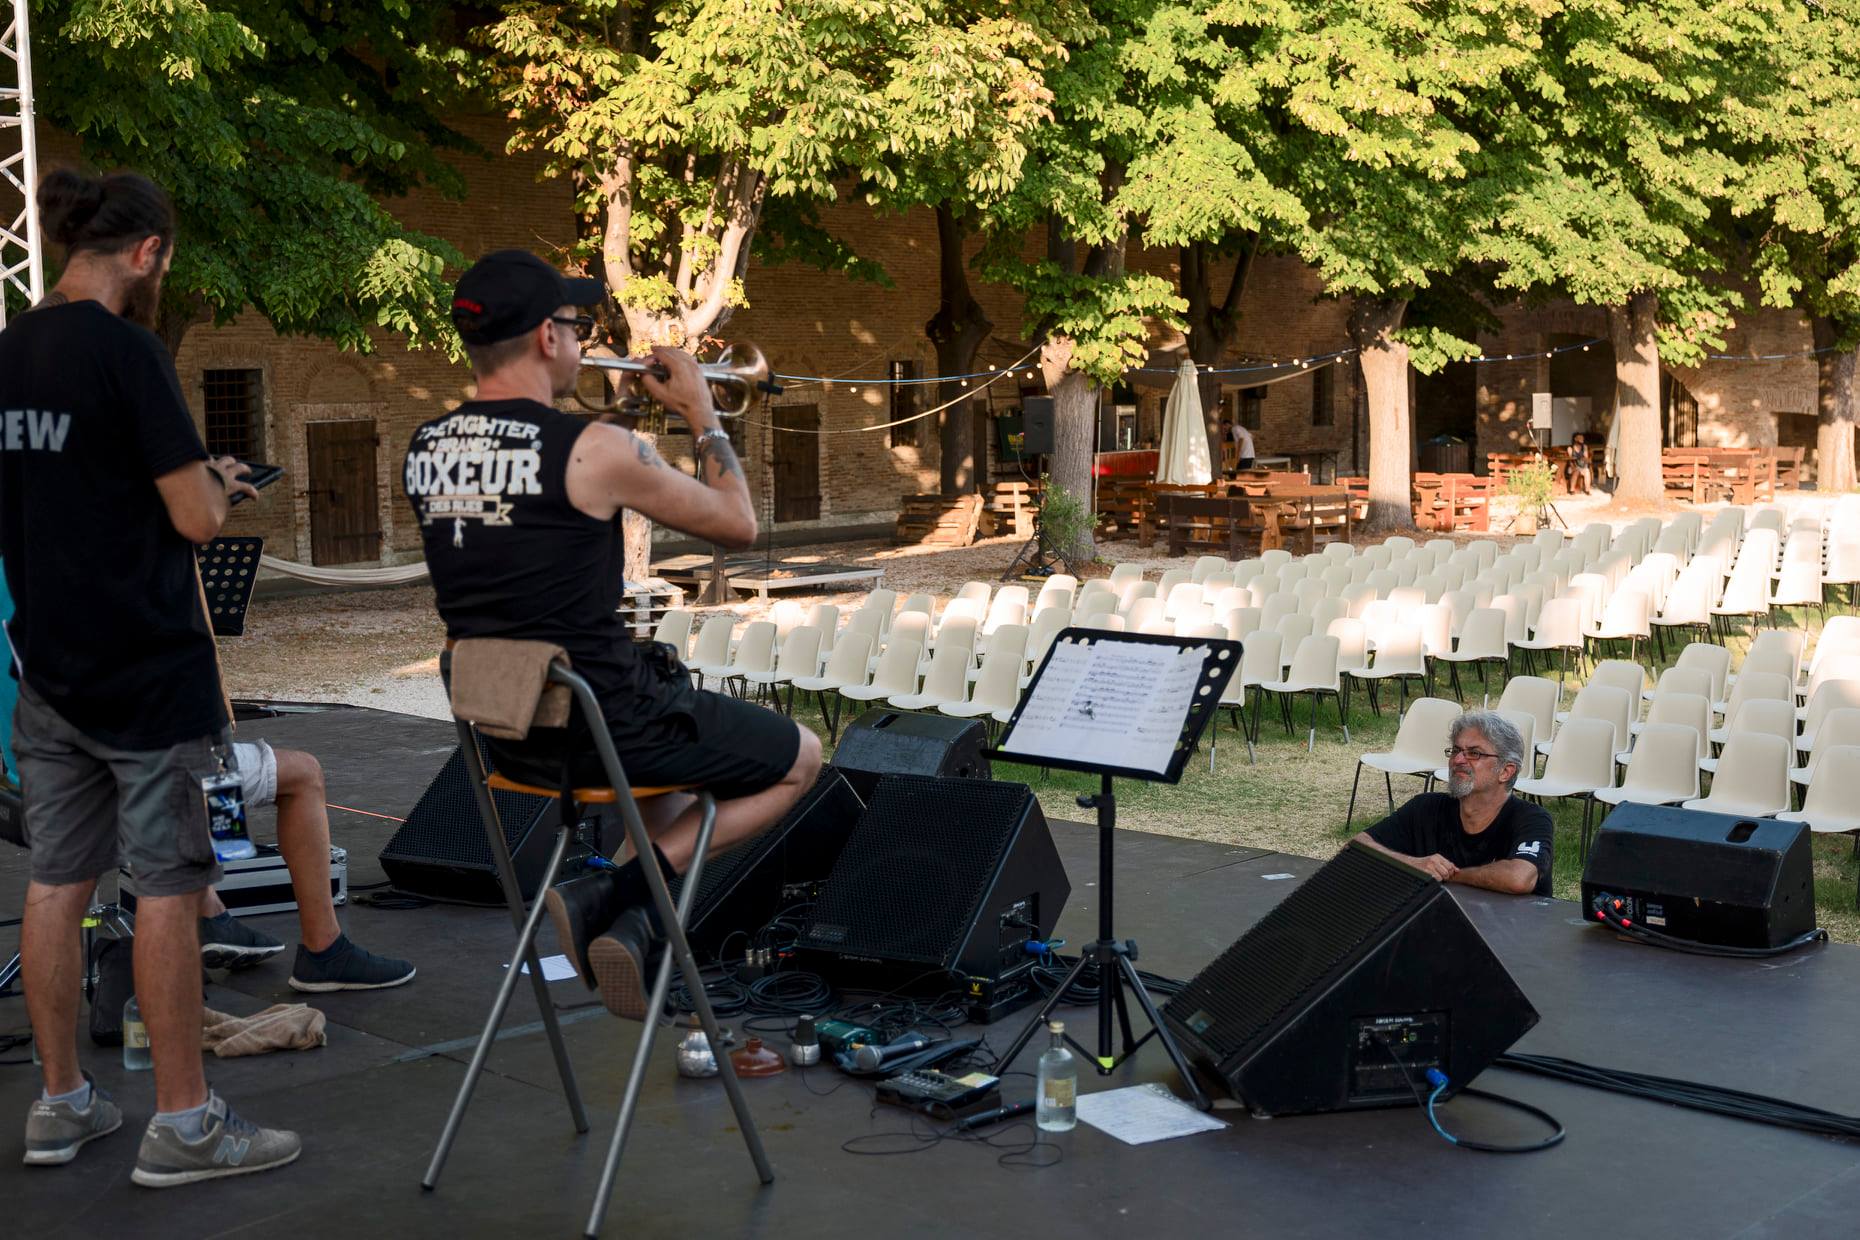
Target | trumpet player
(519,506)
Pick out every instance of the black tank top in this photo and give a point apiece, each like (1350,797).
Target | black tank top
(510,556)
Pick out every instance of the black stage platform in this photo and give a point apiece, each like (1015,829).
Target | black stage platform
(371,1103)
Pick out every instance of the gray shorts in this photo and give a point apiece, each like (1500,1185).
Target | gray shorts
(90,807)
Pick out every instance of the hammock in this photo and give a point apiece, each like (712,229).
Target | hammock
(398,575)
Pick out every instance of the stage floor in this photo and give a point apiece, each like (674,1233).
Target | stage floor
(371,1103)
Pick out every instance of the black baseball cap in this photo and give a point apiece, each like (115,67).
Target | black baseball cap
(507,292)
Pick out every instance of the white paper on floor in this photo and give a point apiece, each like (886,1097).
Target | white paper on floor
(555,968)
(1143,1113)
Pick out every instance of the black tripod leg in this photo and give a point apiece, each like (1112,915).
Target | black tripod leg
(1115,982)
(1135,981)
(1044,1014)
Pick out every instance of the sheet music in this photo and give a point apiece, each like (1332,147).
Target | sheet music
(1112,703)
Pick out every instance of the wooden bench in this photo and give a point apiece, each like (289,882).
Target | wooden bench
(1122,503)
(1449,502)
(1697,475)
(1226,525)
(1308,517)
(1152,521)
(938,520)
(1009,508)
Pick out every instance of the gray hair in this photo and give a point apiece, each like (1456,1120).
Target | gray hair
(1505,739)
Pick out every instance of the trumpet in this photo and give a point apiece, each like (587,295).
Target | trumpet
(734,378)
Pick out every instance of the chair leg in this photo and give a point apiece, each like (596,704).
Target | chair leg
(1311,741)
(678,951)
(525,953)
(1350,817)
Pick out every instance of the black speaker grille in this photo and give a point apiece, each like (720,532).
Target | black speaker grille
(910,880)
(1293,947)
(445,825)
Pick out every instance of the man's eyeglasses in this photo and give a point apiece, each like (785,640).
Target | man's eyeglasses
(582,323)
(1471,755)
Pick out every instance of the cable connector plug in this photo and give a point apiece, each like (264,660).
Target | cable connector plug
(1436,1078)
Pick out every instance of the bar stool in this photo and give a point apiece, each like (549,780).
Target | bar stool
(625,798)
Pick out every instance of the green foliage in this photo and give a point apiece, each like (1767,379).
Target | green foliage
(1065,521)
(701,129)
(1532,483)
(280,131)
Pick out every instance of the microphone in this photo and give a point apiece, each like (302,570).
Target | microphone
(869,1058)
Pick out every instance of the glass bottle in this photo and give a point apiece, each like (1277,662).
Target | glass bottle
(1056,1106)
(136,1055)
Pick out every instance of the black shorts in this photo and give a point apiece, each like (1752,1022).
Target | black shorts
(728,747)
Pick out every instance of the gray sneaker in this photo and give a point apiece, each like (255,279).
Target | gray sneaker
(55,1131)
(344,965)
(228,943)
(231,1146)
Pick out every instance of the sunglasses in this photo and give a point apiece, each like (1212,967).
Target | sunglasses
(582,323)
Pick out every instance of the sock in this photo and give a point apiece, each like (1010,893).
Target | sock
(630,886)
(190,1125)
(78,1098)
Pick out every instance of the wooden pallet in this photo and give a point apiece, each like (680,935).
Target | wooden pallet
(644,603)
(938,521)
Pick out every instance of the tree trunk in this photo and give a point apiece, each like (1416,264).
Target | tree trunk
(957,330)
(1834,423)
(1384,363)
(1212,326)
(1637,399)
(1075,439)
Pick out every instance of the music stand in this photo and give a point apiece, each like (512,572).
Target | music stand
(228,571)
(1117,704)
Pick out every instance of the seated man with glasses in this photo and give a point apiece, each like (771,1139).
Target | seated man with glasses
(1476,832)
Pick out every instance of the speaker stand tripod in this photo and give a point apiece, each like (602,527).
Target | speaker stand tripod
(1115,961)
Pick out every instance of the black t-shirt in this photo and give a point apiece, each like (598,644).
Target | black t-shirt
(1430,823)
(109,627)
(511,557)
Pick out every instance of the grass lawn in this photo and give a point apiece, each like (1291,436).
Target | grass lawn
(1295,801)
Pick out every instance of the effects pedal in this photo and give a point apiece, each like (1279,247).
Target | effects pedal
(940,1094)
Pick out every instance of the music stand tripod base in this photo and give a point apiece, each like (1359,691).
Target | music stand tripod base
(1079,677)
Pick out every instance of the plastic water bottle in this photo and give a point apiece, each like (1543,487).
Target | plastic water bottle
(136,1055)
(1056,1108)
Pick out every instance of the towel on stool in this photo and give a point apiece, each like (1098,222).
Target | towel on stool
(503,686)
(280,1027)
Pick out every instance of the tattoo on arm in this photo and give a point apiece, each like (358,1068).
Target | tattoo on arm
(647,455)
(723,459)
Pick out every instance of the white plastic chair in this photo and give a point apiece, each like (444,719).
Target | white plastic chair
(1770,718)
(1832,696)
(1121,573)
(846,668)
(1832,805)
(1713,660)
(1756,687)
(1399,657)
(997,689)
(1581,763)
(1559,628)
(1259,663)
(896,674)
(1838,727)
(1663,769)
(1593,701)
(1752,777)
(1535,696)
(1689,710)
(800,656)
(946,682)
(1482,643)
(1419,742)
(754,654)
(674,629)
(1313,671)
(711,657)
(826,618)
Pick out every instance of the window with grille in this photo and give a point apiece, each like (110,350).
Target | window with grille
(1252,403)
(904,404)
(234,406)
(1321,393)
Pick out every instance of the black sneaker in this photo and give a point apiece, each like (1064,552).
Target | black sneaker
(617,961)
(228,943)
(344,966)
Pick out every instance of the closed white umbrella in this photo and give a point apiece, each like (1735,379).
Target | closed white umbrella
(1184,456)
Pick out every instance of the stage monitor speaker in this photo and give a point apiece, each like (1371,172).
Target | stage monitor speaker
(440,852)
(1036,424)
(896,742)
(1345,994)
(1711,878)
(744,889)
(942,885)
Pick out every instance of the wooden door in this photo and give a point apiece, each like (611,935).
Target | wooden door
(345,517)
(797,463)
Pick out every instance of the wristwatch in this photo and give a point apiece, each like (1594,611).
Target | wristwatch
(715,432)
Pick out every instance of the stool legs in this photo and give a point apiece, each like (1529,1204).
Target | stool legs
(527,925)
